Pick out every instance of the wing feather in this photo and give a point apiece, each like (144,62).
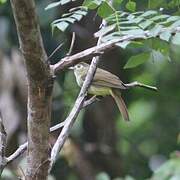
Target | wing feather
(105,78)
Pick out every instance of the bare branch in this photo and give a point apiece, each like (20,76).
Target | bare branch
(93,51)
(55,51)
(3,136)
(138,84)
(75,110)
(90,101)
(22,148)
(72,44)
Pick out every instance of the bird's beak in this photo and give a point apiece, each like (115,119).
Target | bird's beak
(71,68)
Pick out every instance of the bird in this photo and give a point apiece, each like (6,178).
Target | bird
(105,83)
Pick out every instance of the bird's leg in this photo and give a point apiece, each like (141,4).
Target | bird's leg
(90,101)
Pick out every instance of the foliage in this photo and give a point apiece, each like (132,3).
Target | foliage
(169,170)
(2,1)
(148,24)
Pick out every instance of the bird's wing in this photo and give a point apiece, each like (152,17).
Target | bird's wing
(105,78)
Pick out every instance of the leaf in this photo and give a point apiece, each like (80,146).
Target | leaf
(157,56)
(111,37)
(117,2)
(102,176)
(165,36)
(159,17)
(148,13)
(65,1)
(176,39)
(52,5)
(137,60)
(131,6)
(62,26)
(133,32)
(154,4)
(145,24)
(105,9)
(55,4)
(78,17)
(92,4)
(156,30)
(175,24)
(123,44)
(81,12)
(103,31)
(169,170)
(3,1)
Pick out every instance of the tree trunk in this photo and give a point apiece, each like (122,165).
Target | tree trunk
(40,82)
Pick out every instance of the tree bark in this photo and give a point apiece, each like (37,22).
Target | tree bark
(40,83)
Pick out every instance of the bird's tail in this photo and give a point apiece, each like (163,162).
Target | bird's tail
(120,103)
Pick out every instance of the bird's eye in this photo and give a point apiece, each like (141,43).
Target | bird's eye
(78,66)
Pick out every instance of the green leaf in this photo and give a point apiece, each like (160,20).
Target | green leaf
(123,44)
(148,13)
(55,4)
(62,26)
(159,17)
(78,17)
(118,1)
(137,60)
(3,1)
(92,4)
(176,39)
(105,10)
(175,24)
(102,176)
(169,170)
(105,30)
(52,5)
(155,4)
(133,32)
(131,6)
(65,1)
(165,36)
(157,56)
(156,30)
(145,24)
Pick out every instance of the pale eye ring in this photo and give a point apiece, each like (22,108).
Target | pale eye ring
(78,66)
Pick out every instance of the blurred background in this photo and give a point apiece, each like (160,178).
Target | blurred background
(101,145)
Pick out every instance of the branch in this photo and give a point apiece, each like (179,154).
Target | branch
(72,44)
(76,108)
(99,49)
(22,148)
(3,136)
(138,84)
(52,54)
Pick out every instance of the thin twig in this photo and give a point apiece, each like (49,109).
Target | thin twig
(90,101)
(138,84)
(3,137)
(55,51)
(22,148)
(72,44)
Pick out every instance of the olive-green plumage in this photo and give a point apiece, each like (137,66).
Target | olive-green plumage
(104,83)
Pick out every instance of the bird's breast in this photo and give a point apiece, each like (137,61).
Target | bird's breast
(98,90)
